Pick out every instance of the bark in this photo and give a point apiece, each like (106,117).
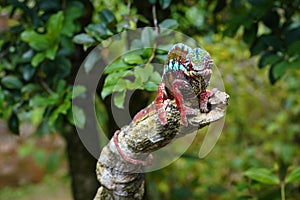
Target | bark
(121,179)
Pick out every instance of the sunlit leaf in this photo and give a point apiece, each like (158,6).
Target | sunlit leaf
(155,77)
(38,58)
(36,41)
(78,90)
(117,66)
(62,109)
(150,86)
(262,175)
(54,25)
(143,72)
(79,117)
(42,101)
(293,176)
(83,38)
(168,24)
(133,59)
(119,99)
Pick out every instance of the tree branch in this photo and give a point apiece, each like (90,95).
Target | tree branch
(121,179)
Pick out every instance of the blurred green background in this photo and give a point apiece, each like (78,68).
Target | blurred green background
(254,43)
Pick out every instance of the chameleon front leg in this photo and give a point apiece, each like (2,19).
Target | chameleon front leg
(184,110)
(160,104)
(204,96)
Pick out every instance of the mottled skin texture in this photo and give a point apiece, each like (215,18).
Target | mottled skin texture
(186,76)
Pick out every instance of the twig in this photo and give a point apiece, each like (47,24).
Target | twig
(46,86)
(152,54)
(155,18)
(128,6)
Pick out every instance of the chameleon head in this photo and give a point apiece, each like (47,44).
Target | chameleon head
(200,64)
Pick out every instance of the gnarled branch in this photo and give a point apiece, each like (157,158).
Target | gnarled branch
(121,179)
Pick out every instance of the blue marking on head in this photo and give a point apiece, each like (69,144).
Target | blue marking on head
(175,66)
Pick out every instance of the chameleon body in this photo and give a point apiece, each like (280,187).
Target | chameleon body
(185,78)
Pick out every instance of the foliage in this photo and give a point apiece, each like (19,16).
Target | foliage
(259,148)
(35,57)
(270,28)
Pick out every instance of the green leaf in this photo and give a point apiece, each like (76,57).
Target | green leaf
(152,1)
(43,128)
(91,61)
(113,78)
(169,24)
(13,123)
(118,87)
(119,98)
(155,77)
(83,38)
(295,64)
(143,72)
(54,25)
(164,3)
(51,52)
(38,58)
(106,16)
(30,88)
(137,84)
(133,59)
(277,71)
(62,109)
(38,100)
(262,175)
(74,10)
(148,37)
(79,118)
(37,41)
(294,48)
(78,90)
(37,115)
(269,58)
(118,65)
(99,31)
(293,176)
(11,82)
(150,86)
(28,72)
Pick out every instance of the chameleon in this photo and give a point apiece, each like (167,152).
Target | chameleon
(185,78)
